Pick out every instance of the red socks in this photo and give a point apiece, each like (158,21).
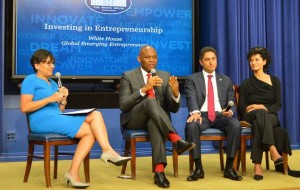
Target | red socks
(174,137)
(159,168)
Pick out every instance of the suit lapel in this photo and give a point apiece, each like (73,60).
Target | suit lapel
(219,81)
(202,84)
(158,88)
(139,77)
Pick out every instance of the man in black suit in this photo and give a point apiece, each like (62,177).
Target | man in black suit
(146,103)
(198,95)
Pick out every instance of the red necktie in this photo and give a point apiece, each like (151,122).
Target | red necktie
(211,103)
(150,93)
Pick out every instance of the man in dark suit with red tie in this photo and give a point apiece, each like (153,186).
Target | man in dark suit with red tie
(146,102)
(208,94)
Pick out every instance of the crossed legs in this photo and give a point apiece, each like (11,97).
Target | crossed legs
(93,128)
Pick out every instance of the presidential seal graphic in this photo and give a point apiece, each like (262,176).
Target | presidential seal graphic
(109,6)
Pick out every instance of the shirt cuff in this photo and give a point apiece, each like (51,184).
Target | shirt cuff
(231,113)
(195,111)
(177,99)
(142,94)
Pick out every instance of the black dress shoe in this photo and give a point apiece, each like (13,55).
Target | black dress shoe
(258,177)
(231,174)
(166,180)
(160,180)
(182,146)
(278,161)
(197,174)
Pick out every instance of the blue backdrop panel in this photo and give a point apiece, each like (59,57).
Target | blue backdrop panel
(103,41)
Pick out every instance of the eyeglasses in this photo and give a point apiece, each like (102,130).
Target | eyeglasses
(49,63)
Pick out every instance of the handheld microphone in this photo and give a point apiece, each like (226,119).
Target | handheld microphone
(230,104)
(59,83)
(153,72)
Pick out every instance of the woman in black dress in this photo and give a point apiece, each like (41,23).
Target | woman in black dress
(259,104)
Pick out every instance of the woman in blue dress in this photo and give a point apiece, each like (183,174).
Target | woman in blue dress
(44,102)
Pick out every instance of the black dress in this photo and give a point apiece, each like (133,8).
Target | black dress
(266,128)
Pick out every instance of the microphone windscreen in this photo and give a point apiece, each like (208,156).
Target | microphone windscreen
(230,103)
(57,74)
(153,72)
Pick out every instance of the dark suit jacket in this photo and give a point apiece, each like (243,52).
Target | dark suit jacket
(195,91)
(129,94)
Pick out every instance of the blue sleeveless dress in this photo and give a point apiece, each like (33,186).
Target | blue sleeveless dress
(48,119)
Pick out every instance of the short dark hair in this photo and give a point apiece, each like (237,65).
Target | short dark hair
(205,50)
(263,52)
(39,56)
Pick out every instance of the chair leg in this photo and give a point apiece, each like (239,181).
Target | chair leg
(175,161)
(133,158)
(236,161)
(267,160)
(86,167)
(47,164)
(55,161)
(243,154)
(126,153)
(285,163)
(29,161)
(191,162)
(152,163)
(221,155)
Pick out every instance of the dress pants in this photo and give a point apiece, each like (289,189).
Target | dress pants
(229,125)
(149,115)
(262,132)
